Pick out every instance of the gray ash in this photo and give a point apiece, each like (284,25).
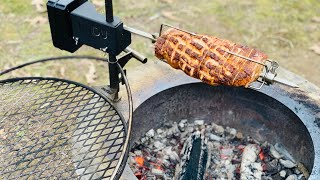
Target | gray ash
(160,154)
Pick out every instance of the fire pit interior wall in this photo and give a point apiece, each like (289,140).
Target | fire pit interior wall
(249,111)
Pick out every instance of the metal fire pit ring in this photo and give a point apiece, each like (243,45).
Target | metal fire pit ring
(54,128)
(304,102)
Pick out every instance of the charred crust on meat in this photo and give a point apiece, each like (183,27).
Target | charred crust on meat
(180,35)
(228,46)
(189,52)
(174,40)
(184,58)
(195,66)
(241,75)
(205,53)
(161,41)
(222,79)
(181,47)
(196,73)
(196,56)
(217,70)
(165,36)
(214,56)
(180,63)
(202,68)
(213,74)
(214,70)
(221,51)
(158,47)
(158,55)
(188,68)
(239,46)
(196,45)
(169,50)
(184,37)
(204,39)
(176,56)
(200,59)
(206,80)
(209,66)
(227,78)
(231,68)
(213,46)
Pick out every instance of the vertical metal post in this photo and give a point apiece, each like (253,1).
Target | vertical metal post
(113,68)
(114,75)
(109,11)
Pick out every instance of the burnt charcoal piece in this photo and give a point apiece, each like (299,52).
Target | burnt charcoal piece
(193,165)
(272,167)
(277,177)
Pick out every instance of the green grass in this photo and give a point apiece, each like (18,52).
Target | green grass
(18,7)
(282,29)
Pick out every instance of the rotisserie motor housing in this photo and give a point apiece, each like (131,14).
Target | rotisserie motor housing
(76,22)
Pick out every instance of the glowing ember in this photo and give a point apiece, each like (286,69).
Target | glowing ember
(139,160)
(261,155)
(158,154)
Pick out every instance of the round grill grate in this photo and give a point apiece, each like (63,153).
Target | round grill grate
(57,129)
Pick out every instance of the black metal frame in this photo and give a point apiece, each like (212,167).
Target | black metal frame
(76,22)
(109,10)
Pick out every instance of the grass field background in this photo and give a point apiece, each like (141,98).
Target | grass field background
(288,31)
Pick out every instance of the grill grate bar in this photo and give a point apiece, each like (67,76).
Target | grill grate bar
(42,124)
(57,129)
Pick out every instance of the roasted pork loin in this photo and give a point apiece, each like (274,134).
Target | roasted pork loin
(207,58)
